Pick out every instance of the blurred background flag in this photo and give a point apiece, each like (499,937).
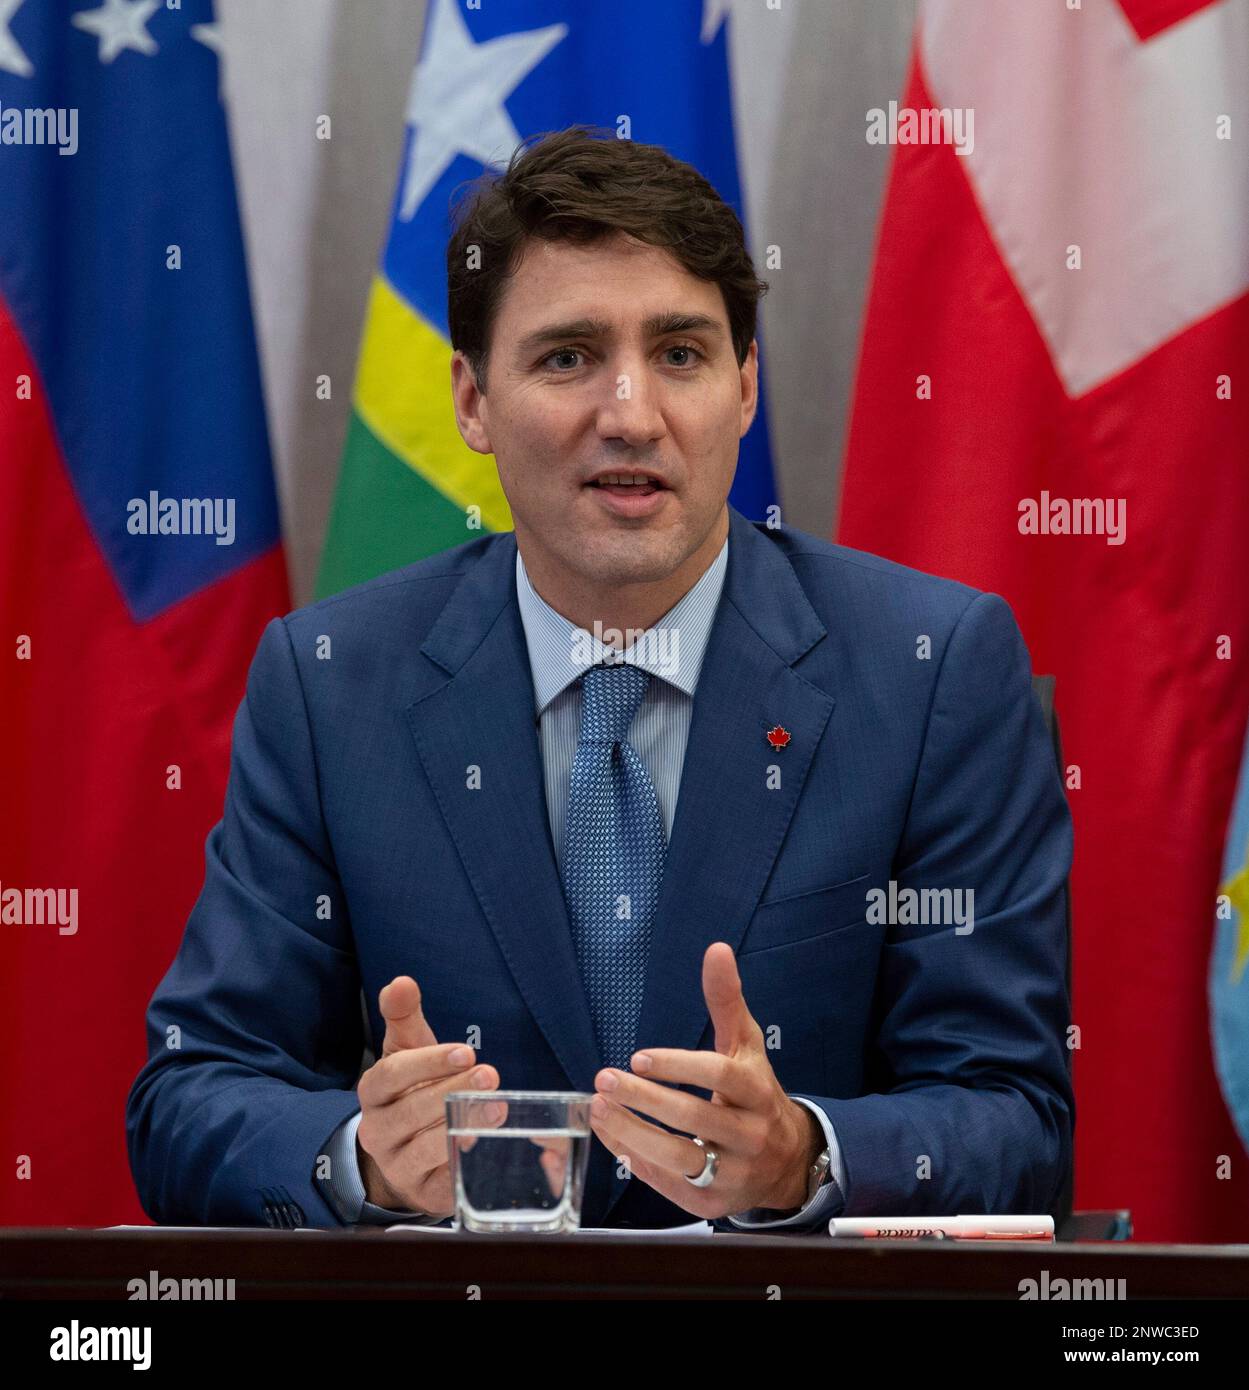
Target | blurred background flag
(1229,963)
(1049,405)
(653,71)
(140,556)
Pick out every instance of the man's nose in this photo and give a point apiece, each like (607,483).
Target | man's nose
(631,408)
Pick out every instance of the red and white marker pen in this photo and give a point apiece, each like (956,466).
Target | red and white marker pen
(938,1227)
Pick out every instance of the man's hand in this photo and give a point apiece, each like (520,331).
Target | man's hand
(401,1143)
(766,1142)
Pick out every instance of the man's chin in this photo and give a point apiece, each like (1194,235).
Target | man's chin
(633,555)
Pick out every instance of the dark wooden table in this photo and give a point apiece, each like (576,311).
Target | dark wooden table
(371,1263)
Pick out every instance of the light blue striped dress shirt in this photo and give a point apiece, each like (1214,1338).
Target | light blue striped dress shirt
(559,652)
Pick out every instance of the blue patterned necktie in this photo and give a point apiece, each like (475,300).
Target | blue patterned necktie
(614,849)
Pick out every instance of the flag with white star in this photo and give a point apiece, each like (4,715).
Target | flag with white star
(129,388)
(485,80)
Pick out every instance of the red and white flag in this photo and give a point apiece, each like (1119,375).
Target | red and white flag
(1051,404)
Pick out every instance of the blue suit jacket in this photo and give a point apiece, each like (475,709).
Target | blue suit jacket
(351,850)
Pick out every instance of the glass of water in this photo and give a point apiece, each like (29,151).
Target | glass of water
(518,1159)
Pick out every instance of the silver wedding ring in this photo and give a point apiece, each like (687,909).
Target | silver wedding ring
(711,1161)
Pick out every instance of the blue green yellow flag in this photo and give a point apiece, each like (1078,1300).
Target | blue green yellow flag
(487,79)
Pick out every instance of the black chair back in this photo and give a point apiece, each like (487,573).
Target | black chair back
(1043,688)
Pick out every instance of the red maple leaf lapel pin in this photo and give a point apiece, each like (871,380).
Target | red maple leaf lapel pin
(778,737)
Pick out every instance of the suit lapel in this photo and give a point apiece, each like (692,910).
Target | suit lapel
(475,708)
(729,825)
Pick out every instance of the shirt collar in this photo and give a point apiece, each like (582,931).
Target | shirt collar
(673,648)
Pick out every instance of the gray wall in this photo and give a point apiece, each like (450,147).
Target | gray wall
(315,212)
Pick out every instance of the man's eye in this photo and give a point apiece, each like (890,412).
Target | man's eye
(684,347)
(561,352)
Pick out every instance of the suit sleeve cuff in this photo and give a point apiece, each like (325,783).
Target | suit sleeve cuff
(827,1201)
(344,1188)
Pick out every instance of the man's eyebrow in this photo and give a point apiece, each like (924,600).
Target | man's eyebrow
(657,326)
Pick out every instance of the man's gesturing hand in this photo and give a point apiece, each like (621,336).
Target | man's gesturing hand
(766,1142)
(401,1143)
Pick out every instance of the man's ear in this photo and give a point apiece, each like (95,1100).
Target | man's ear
(750,386)
(469,405)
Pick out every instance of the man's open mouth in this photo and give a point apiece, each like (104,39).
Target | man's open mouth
(628,484)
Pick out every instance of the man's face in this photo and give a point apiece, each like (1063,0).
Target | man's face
(610,358)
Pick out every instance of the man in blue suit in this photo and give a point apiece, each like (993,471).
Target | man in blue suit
(756,837)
